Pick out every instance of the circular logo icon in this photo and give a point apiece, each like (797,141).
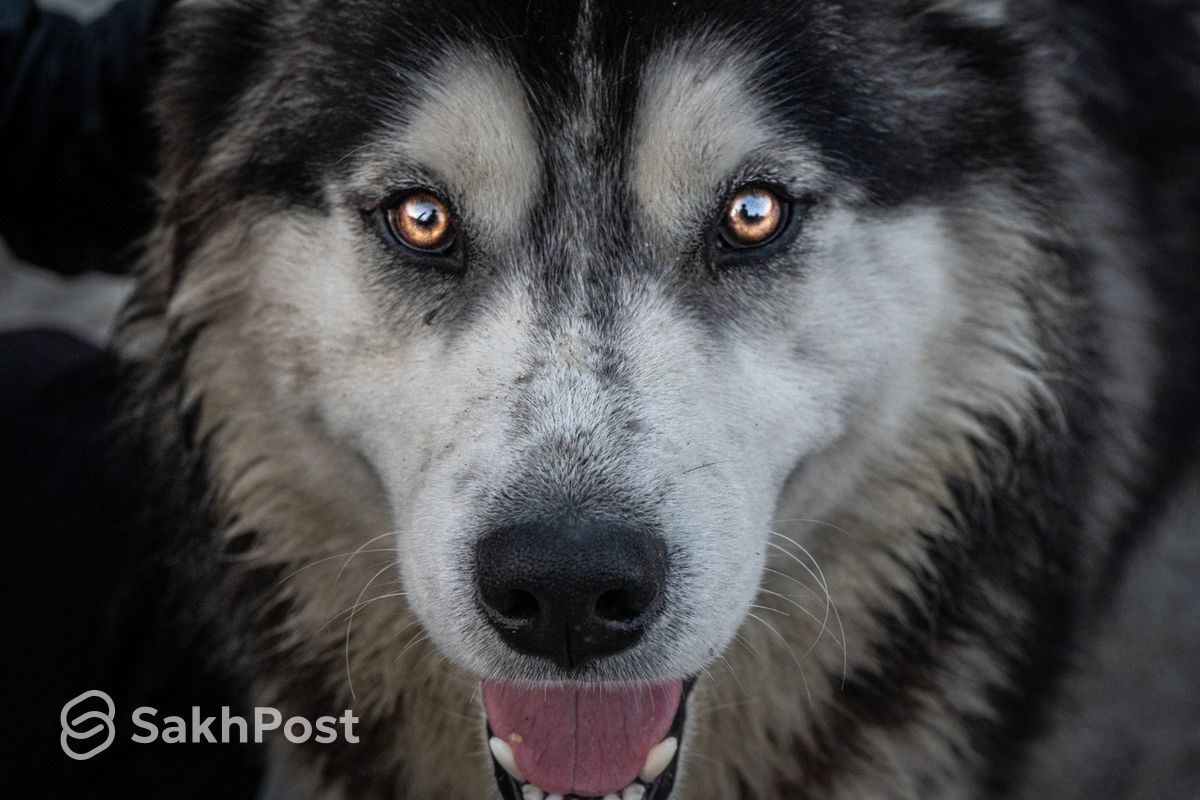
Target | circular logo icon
(74,730)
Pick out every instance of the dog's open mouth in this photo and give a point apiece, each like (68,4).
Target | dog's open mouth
(579,741)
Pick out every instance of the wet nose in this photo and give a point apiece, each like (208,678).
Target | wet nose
(570,593)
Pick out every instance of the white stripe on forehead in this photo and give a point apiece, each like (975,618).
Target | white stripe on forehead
(697,121)
(473,128)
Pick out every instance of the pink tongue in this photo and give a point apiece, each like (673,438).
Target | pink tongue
(582,740)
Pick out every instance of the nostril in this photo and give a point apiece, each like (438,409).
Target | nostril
(511,605)
(621,605)
(517,604)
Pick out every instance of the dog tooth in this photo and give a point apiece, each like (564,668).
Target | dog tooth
(634,791)
(610,797)
(504,755)
(531,792)
(554,797)
(658,758)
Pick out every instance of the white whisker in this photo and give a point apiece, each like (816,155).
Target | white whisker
(338,577)
(799,666)
(350,624)
(351,554)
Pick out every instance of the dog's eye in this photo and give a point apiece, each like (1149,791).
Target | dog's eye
(422,221)
(753,217)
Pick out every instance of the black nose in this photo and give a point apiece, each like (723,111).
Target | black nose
(570,592)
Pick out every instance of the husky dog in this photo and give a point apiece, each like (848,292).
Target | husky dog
(691,399)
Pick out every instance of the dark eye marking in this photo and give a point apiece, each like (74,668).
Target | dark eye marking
(421,228)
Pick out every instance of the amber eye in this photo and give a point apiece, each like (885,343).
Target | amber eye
(753,217)
(422,222)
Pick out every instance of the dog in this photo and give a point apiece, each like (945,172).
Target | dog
(673,399)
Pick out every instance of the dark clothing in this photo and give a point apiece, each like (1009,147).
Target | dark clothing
(76,143)
(82,593)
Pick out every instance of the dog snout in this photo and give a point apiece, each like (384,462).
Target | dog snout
(571,593)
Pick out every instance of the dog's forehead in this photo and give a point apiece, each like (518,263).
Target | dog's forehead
(697,120)
(493,134)
(508,102)
(472,126)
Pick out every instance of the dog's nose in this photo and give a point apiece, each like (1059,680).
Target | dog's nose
(570,593)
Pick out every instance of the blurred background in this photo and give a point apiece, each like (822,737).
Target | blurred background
(32,297)
(83,608)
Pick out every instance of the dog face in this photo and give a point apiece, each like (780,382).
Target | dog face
(596,327)
(591,350)
(601,299)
